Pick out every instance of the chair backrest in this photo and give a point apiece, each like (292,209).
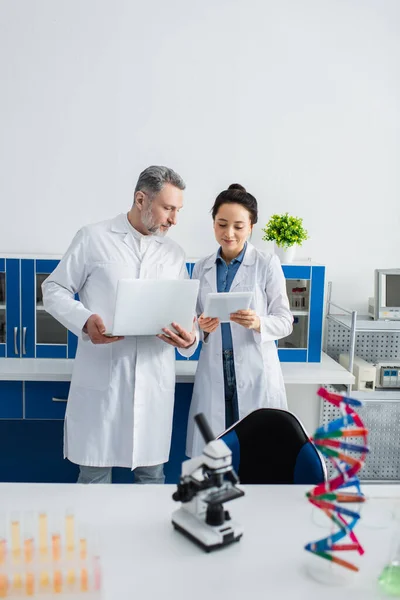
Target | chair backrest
(270,446)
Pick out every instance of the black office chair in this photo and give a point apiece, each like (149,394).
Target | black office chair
(270,446)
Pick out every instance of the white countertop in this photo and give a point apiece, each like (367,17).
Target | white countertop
(366,323)
(326,372)
(142,556)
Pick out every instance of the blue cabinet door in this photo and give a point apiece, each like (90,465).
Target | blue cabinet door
(2,307)
(46,399)
(305,287)
(11,403)
(51,336)
(28,308)
(13,296)
(316,314)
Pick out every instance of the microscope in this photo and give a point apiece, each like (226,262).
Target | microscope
(206,482)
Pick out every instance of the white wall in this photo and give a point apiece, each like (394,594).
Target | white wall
(297,100)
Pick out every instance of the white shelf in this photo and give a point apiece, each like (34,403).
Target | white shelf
(299,313)
(326,372)
(2,307)
(365,323)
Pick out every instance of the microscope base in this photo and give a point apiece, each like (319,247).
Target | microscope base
(206,536)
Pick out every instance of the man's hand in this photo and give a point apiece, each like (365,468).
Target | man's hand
(208,324)
(180,338)
(247,318)
(95,329)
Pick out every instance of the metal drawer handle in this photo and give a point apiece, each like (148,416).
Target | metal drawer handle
(59,399)
(15,340)
(23,340)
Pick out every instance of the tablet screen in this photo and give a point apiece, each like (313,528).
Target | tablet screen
(223,304)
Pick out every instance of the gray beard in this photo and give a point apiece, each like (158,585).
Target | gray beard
(148,222)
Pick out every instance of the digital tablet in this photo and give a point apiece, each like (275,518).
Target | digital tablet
(223,304)
(146,306)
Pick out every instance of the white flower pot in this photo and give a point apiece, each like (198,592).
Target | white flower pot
(285,255)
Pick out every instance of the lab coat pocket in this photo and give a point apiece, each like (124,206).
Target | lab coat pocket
(92,366)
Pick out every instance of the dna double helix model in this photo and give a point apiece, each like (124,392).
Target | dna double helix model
(344,486)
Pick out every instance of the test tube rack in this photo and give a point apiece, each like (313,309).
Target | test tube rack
(36,562)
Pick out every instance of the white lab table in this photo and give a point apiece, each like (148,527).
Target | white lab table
(327,371)
(144,557)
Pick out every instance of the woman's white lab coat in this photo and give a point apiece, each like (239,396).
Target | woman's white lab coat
(121,399)
(259,377)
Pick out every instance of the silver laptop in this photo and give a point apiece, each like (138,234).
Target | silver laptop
(146,306)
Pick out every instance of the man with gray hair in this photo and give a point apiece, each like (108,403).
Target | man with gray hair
(120,404)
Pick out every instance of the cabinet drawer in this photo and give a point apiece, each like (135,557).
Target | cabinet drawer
(11,406)
(46,399)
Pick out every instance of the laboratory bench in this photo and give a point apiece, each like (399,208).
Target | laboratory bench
(142,556)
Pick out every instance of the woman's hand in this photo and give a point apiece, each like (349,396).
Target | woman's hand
(247,318)
(208,324)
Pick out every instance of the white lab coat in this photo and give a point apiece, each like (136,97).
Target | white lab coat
(259,377)
(121,399)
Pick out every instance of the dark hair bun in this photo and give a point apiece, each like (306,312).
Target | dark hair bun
(237,186)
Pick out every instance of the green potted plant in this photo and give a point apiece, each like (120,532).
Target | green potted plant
(287,232)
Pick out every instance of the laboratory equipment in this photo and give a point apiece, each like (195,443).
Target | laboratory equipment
(207,481)
(385,304)
(42,556)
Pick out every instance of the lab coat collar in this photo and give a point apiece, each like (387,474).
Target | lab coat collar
(248,259)
(210,266)
(120,224)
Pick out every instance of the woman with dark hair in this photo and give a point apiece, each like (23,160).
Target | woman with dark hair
(239,369)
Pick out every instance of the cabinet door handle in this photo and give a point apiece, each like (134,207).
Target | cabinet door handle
(23,340)
(59,399)
(15,340)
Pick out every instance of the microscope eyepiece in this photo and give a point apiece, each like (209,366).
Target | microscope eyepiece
(204,427)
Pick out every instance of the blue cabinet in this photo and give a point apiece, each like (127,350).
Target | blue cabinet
(46,399)
(26,329)
(11,400)
(305,288)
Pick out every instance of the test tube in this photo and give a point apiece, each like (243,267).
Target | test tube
(30,584)
(97,574)
(83,549)
(3,551)
(57,581)
(43,534)
(15,536)
(17,585)
(28,537)
(3,537)
(56,546)
(3,586)
(70,532)
(44,582)
(71,580)
(84,580)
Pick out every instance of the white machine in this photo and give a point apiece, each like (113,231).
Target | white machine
(385,304)
(206,482)
(388,374)
(363,371)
